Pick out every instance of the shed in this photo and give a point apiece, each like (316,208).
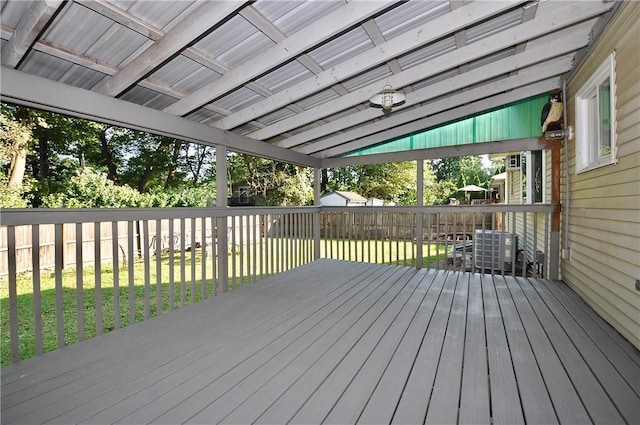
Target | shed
(342,199)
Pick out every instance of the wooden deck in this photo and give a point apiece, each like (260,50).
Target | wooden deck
(342,342)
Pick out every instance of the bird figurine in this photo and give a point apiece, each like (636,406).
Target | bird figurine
(551,118)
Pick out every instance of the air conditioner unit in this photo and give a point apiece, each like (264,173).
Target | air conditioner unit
(512,162)
(493,248)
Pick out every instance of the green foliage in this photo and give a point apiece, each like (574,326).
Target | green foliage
(88,189)
(11,196)
(454,173)
(194,196)
(391,182)
(271,182)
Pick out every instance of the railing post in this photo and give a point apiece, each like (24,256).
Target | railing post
(221,222)
(317,175)
(554,248)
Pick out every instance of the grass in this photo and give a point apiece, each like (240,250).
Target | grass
(175,292)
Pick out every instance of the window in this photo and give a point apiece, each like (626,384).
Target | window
(533,177)
(595,119)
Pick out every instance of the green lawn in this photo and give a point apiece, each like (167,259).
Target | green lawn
(182,290)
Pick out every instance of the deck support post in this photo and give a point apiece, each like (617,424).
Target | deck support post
(420,202)
(554,248)
(221,222)
(317,177)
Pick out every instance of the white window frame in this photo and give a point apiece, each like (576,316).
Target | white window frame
(590,153)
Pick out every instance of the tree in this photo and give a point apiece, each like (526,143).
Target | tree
(459,172)
(391,182)
(15,135)
(271,182)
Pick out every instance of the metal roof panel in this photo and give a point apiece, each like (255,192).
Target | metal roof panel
(293,19)
(342,48)
(287,75)
(410,15)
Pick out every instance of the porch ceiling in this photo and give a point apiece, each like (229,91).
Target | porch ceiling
(287,80)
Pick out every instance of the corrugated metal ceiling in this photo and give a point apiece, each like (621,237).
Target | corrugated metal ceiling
(297,74)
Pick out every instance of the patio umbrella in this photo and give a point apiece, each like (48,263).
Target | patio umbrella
(473,188)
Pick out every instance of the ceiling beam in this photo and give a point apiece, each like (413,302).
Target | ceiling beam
(321,30)
(30,26)
(386,51)
(199,23)
(574,40)
(446,116)
(122,17)
(502,146)
(566,15)
(37,92)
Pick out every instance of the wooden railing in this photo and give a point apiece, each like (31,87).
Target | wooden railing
(72,274)
(113,267)
(516,238)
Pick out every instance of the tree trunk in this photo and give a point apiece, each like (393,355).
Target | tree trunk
(171,173)
(18,166)
(44,167)
(107,154)
(324,179)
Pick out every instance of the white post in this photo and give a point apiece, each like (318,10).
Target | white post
(317,176)
(221,222)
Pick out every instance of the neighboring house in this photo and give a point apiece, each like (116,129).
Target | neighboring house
(497,185)
(342,199)
(241,195)
(374,202)
(600,184)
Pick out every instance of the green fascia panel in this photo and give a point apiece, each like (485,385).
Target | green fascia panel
(516,120)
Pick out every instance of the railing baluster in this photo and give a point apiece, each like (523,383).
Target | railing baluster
(97,260)
(147,267)
(240,253)
(203,258)
(233,252)
(130,265)
(159,302)
(13,295)
(79,282)
(37,301)
(116,274)
(181,238)
(215,253)
(192,232)
(59,254)
(172,289)
(255,247)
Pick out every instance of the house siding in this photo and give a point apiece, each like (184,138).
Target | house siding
(604,206)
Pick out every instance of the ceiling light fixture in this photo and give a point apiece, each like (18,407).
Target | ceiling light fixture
(387,98)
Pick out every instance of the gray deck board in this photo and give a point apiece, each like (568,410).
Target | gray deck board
(343,342)
(567,404)
(534,394)
(474,395)
(506,406)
